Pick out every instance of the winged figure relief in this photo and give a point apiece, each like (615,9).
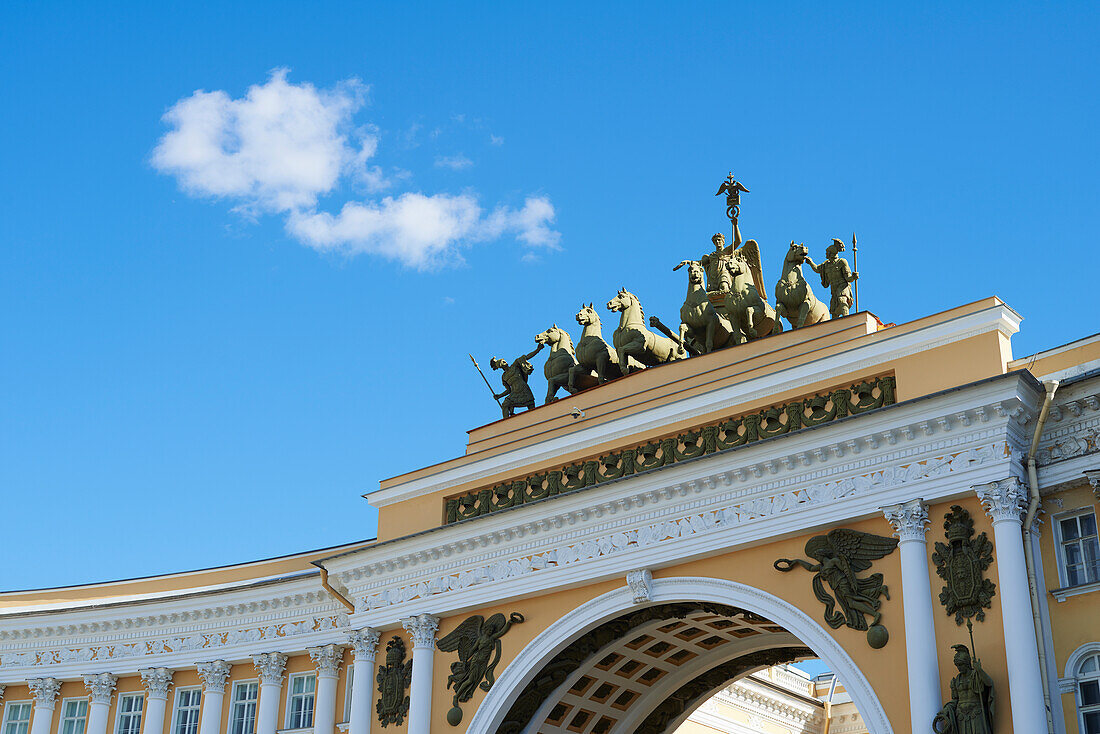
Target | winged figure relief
(477,642)
(841,555)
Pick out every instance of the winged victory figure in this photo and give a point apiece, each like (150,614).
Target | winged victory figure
(477,642)
(841,555)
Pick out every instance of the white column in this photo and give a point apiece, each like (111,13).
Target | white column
(921,652)
(214,675)
(364,643)
(269,667)
(156,682)
(101,687)
(45,692)
(1005,501)
(422,629)
(327,659)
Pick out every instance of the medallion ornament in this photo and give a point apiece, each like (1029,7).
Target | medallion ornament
(394,679)
(961,563)
(841,554)
(477,642)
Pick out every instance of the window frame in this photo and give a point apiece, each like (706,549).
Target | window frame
(290,695)
(176,708)
(1078,679)
(234,685)
(1060,544)
(63,718)
(8,705)
(119,713)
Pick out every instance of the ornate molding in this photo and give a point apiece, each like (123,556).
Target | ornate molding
(156,681)
(100,687)
(364,643)
(909,519)
(45,692)
(422,629)
(776,420)
(269,667)
(640,583)
(1093,475)
(327,658)
(214,675)
(1004,500)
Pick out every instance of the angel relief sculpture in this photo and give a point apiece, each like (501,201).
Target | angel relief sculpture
(841,554)
(477,642)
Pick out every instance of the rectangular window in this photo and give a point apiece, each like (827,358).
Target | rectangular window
(186,720)
(1080,549)
(74,715)
(242,719)
(129,713)
(347,692)
(300,706)
(17,717)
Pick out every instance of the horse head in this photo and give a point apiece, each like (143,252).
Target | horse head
(622,300)
(696,274)
(797,254)
(587,315)
(555,336)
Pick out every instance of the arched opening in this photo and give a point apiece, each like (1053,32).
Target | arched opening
(615,666)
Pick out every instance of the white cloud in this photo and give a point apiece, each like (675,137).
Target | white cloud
(454,162)
(283,146)
(422,231)
(496,139)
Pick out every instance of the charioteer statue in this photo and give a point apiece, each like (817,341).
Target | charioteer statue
(837,277)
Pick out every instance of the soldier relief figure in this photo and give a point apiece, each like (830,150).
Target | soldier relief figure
(837,277)
(970,710)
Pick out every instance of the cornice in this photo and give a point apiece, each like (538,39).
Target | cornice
(867,358)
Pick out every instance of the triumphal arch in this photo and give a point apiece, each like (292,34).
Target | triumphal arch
(776,480)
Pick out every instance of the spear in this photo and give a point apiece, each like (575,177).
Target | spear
(491,391)
(855,267)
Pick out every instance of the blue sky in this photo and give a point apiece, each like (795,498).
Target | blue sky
(203,362)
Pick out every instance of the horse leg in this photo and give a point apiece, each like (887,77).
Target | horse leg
(803,313)
(780,313)
(750,323)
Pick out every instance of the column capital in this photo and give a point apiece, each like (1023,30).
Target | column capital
(156,681)
(2,692)
(100,687)
(422,629)
(45,691)
(1004,500)
(1093,475)
(364,642)
(909,519)
(327,658)
(270,666)
(214,675)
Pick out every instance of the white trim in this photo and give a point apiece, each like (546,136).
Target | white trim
(614,603)
(885,348)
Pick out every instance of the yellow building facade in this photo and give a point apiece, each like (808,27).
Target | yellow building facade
(640,544)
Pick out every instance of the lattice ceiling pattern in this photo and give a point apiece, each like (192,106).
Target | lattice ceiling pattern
(628,672)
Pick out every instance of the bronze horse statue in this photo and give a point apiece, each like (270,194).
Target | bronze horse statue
(636,345)
(561,363)
(701,325)
(794,299)
(749,314)
(595,357)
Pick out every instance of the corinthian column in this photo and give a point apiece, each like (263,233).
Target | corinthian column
(269,667)
(1004,501)
(214,675)
(327,659)
(45,692)
(156,682)
(422,629)
(364,643)
(921,653)
(100,688)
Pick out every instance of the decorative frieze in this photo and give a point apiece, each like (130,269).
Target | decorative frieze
(422,629)
(156,681)
(45,691)
(909,519)
(1004,499)
(776,420)
(214,675)
(100,687)
(364,643)
(269,667)
(327,659)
